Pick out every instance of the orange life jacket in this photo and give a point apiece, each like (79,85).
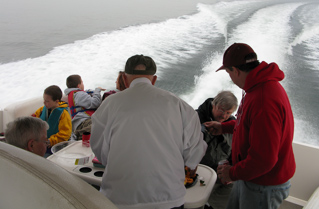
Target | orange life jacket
(76,109)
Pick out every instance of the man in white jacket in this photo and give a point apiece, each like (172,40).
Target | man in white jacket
(145,136)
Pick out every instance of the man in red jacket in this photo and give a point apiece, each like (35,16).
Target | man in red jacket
(262,154)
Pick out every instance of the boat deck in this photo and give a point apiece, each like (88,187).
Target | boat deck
(303,183)
(289,205)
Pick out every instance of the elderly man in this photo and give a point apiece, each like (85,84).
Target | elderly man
(263,158)
(144,136)
(28,133)
(218,109)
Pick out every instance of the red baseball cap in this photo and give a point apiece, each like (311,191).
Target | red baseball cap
(235,55)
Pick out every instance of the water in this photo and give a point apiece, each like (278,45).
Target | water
(43,42)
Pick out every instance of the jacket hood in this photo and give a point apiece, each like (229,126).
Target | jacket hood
(63,104)
(263,73)
(205,110)
(68,90)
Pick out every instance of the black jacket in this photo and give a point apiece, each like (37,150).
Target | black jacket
(219,147)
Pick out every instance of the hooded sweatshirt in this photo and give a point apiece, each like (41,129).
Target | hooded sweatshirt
(85,100)
(263,132)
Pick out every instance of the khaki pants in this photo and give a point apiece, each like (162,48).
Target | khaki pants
(85,126)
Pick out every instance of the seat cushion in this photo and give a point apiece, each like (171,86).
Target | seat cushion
(30,181)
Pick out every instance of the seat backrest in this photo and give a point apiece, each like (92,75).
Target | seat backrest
(21,108)
(30,181)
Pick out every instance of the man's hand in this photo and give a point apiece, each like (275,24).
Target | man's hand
(190,173)
(223,173)
(214,127)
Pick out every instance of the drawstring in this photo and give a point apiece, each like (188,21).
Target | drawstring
(240,109)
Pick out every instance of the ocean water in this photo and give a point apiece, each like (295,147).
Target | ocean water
(42,42)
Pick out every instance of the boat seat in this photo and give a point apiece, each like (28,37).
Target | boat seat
(313,202)
(22,108)
(30,181)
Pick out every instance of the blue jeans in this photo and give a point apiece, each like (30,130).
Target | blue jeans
(247,195)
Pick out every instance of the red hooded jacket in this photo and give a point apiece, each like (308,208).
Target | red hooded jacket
(263,132)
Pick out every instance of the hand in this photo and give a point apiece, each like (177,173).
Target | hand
(214,127)
(223,173)
(192,173)
(101,88)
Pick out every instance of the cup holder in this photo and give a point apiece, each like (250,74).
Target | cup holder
(85,170)
(98,173)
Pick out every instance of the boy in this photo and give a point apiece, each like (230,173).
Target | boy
(82,104)
(55,113)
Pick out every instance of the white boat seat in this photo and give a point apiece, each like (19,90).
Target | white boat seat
(22,108)
(30,181)
(313,202)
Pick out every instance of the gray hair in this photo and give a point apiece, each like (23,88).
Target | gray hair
(225,99)
(22,129)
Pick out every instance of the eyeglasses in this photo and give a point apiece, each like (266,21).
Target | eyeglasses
(47,142)
(223,112)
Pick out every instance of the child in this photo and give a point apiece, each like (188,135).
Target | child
(119,85)
(82,104)
(56,114)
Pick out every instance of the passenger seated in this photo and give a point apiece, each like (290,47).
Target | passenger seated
(218,109)
(119,85)
(56,114)
(28,133)
(82,105)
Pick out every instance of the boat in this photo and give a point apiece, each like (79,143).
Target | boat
(304,191)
